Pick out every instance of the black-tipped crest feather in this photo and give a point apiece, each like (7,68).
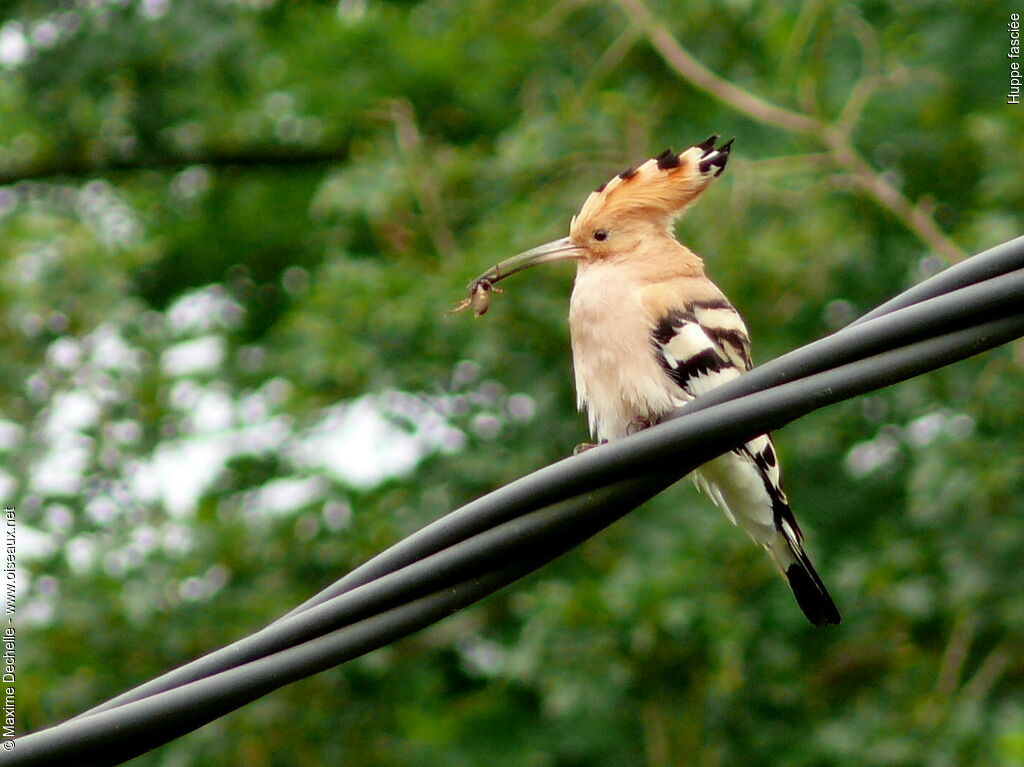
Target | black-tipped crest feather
(708,144)
(667,160)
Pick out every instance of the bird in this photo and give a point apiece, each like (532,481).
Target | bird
(650,331)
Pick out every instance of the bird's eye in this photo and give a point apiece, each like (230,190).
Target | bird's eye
(601,235)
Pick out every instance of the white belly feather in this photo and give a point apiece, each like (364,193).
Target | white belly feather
(618,378)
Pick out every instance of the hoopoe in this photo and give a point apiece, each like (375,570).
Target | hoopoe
(650,331)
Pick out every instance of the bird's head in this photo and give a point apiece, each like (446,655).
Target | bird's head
(644,201)
(635,206)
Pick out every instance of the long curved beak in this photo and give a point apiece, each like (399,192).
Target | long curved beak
(557,250)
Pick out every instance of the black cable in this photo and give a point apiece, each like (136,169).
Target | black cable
(479,515)
(159,718)
(543,515)
(115,735)
(990,263)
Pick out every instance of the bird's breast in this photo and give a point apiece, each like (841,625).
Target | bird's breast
(618,378)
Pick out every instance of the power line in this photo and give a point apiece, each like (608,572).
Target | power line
(491,542)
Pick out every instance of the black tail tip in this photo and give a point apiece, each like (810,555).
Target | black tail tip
(812,597)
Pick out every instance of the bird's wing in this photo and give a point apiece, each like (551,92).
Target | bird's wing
(701,343)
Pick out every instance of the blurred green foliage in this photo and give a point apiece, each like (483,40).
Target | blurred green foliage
(229,232)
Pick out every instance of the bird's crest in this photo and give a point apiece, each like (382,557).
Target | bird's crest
(661,187)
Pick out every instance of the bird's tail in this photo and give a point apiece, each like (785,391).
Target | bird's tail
(810,592)
(751,496)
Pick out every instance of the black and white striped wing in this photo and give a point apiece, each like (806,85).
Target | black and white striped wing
(702,345)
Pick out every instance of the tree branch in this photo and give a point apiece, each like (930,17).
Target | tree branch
(689,68)
(833,136)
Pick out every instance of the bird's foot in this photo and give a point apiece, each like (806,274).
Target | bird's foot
(584,447)
(639,424)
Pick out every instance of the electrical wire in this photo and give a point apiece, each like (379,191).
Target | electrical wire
(504,535)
